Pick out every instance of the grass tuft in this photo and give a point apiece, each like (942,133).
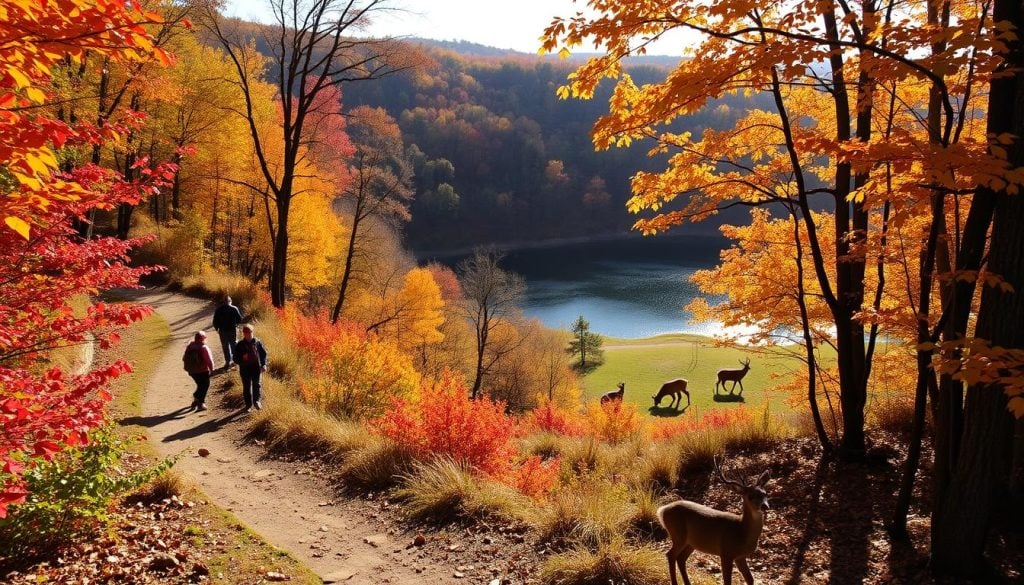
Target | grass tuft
(445,490)
(590,511)
(377,464)
(613,562)
(287,424)
(892,413)
(163,487)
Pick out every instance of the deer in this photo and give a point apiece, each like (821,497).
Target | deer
(674,388)
(734,376)
(733,538)
(615,395)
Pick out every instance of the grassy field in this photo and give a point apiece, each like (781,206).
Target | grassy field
(645,364)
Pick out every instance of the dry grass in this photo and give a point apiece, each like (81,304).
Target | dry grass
(613,562)
(215,285)
(163,487)
(893,413)
(589,511)
(445,490)
(659,469)
(377,464)
(288,424)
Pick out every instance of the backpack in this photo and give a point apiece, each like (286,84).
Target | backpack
(193,359)
(247,355)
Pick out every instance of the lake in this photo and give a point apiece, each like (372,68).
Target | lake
(628,288)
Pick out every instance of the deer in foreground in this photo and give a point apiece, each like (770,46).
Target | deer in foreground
(692,526)
(734,376)
(614,394)
(674,388)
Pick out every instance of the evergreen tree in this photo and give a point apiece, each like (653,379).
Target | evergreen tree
(586,343)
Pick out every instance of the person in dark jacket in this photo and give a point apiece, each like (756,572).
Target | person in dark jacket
(251,357)
(226,320)
(198,360)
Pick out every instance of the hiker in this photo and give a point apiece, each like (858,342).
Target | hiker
(198,361)
(226,319)
(251,357)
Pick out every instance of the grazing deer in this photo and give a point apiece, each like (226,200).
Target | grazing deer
(614,394)
(733,376)
(692,526)
(675,389)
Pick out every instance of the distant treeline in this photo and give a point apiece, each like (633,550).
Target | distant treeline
(498,157)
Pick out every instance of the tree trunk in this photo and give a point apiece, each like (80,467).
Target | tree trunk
(347,274)
(280,263)
(974,479)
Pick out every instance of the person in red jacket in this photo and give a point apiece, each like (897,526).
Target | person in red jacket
(198,361)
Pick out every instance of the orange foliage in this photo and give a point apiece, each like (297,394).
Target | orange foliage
(352,373)
(614,421)
(445,422)
(535,477)
(549,418)
(712,420)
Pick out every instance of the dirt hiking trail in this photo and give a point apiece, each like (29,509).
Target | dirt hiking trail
(290,505)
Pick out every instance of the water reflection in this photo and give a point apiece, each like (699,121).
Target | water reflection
(627,288)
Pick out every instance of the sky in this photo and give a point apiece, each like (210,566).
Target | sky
(505,24)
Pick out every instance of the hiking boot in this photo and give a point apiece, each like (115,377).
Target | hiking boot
(202,406)
(248,409)
(259,406)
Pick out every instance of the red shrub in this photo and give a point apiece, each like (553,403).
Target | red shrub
(535,477)
(446,422)
(711,420)
(547,417)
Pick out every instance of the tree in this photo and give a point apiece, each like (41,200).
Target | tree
(585,343)
(492,297)
(827,68)
(380,186)
(43,265)
(974,428)
(312,51)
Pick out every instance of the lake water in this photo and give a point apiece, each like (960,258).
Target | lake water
(625,288)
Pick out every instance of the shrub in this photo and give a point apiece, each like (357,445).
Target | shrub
(614,421)
(712,420)
(535,477)
(70,495)
(446,423)
(549,418)
(352,374)
(613,562)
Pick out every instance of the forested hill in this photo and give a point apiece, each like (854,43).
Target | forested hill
(498,157)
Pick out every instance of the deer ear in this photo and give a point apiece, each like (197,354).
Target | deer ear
(763,479)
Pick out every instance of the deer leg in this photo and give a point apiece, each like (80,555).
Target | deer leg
(672,554)
(687,398)
(681,561)
(741,387)
(741,564)
(726,571)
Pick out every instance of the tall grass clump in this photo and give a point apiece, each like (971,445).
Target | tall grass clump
(288,424)
(378,464)
(445,490)
(755,433)
(892,412)
(589,511)
(612,562)
(214,285)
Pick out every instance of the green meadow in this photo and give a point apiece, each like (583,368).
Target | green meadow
(645,364)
